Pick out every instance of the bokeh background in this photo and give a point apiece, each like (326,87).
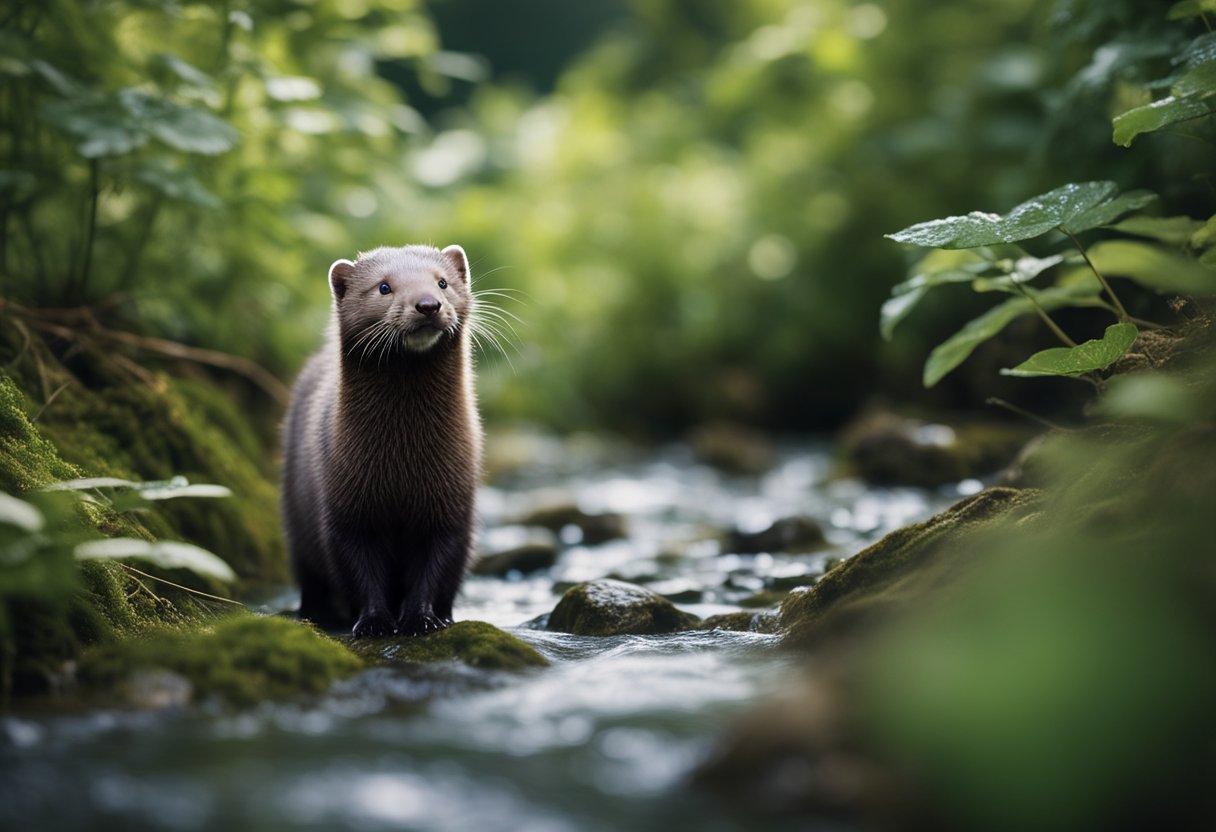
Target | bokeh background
(688,197)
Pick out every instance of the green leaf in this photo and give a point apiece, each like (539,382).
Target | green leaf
(1030,219)
(183,128)
(1108,212)
(19,513)
(1158,114)
(164,553)
(1022,270)
(186,72)
(1097,354)
(1154,267)
(104,127)
(1173,230)
(1191,8)
(955,349)
(1199,80)
(934,269)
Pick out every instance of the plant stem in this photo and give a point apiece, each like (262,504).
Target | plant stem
(1034,417)
(1059,333)
(91,229)
(199,592)
(1123,316)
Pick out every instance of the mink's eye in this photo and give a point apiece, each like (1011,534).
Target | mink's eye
(385,288)
(443,284)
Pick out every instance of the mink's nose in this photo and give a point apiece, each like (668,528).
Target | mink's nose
(427,306)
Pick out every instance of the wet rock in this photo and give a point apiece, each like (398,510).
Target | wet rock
(534,556)
(733,448)
(880,574)
(788,582)
(789,534)
(886,449)
(595,528)
(765,598)
(474,643)
(743,622)
(156,689)
(607,607)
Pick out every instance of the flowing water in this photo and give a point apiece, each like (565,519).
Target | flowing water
(606,738)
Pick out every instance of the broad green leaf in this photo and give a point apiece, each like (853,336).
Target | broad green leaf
(1154,116)
(1154,267)
(171,490)
(1097,354)
(955,349)
(168,554)
(19,513)
(1108,212)
(183,128)
(934,269)
(1022,270)
(1173,230)
(104,127)
(1191,8)
(1199,80)
(1206,235)
(1030,219)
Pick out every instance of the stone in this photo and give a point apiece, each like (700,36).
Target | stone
(788,534)
(607,607)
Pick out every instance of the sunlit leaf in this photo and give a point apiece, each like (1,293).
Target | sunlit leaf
(169,491)
(1173,230)
(1154,267)
(1161,113)
(19,513)
(89,483)
(167,554)
(1108,212)
(955,350)
(1199,80)
(189,73)
(1097,354)
(1030,219)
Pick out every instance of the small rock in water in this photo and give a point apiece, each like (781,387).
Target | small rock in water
(534,556)
(746,621)
(733,448)
(606,607)
(595,528)
(474,643)
(789,534)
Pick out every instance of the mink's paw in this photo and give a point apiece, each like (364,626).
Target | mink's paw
(422,624)
(374,625)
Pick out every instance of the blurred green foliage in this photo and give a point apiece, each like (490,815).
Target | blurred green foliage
(692,213)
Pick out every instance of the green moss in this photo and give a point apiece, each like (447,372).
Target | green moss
(26,459)
(474,643)
(99,417)
(882,572)
(242,659)
(742,622)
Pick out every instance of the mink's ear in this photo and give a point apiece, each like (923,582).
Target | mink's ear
(456,256)
(340,275)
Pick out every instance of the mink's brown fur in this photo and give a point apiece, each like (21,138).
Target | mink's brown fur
(382,446)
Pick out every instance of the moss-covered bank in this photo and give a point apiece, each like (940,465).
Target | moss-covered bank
(474,643)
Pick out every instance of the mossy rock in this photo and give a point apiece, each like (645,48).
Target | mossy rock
(743,622)
(534,556)
(27,460)
(884,572)
(596,528)
(608,607)
(474,643)
(97,418)
(242,659)
(787,534)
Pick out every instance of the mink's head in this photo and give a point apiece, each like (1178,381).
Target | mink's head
(396,301)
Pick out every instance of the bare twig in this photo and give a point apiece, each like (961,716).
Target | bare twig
(198,592)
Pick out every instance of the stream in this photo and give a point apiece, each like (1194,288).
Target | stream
(606,738)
